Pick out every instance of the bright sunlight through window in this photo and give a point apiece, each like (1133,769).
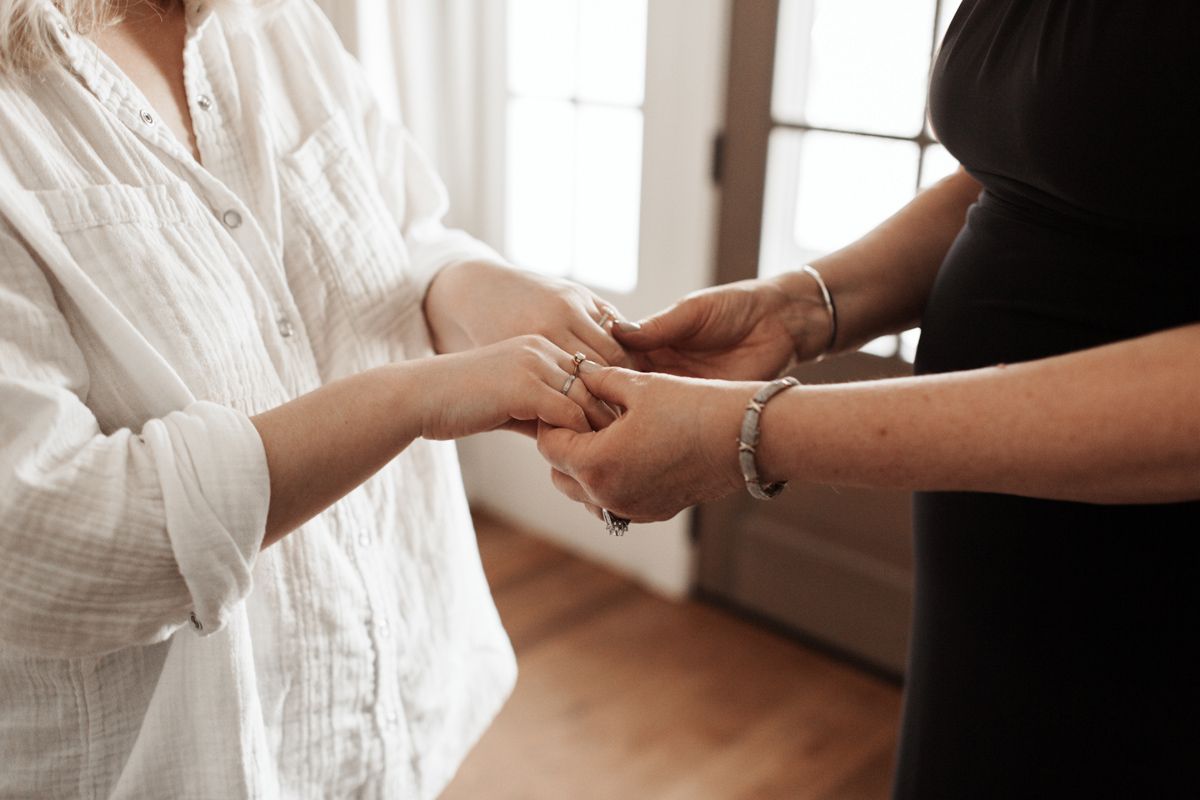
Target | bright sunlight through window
(576,80)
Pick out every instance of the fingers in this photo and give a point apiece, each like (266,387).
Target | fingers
(556,445)
(571,488)
(556,409)
(599,415)
(679,322)
(612,385)
(597,336)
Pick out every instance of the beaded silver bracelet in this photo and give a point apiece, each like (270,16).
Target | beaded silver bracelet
(748,442)
(830,308)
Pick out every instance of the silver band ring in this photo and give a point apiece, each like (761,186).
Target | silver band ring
(608,314)
(576,359)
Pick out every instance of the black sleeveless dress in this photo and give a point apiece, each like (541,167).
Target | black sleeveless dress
(1050,639)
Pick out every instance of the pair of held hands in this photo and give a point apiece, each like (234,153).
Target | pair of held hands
(672,444)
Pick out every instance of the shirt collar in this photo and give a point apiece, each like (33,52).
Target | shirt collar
(107,83)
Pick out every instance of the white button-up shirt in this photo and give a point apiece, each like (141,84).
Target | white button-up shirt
(148,305)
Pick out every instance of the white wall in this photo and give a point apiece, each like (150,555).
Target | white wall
(686,50)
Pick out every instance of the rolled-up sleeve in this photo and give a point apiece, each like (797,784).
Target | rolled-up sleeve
(111,540)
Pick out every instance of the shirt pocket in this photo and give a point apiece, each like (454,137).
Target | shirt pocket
(158,254)
(346,260)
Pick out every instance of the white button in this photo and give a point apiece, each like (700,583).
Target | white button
(385,630)
(205,102)
(364,537)
(232,219)
(63,30)
(286,328)
(146,116)
(393,720)
(196,623)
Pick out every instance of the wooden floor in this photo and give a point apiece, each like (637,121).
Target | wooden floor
(625,695)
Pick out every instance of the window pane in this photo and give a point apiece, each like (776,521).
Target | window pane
(778,251)
(542,44)
(884,346)
(848,185)
(608,197)
(908,344)
(937,164)
(612,51)
(949,9)
(869,65)
(790,83)
(540,166)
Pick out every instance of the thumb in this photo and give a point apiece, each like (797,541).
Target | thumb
(611,384)
(680,321)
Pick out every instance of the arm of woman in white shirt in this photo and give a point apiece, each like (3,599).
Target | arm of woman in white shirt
(325,443)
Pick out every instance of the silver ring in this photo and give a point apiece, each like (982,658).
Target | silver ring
(570,380)
(608,314)
(617,526)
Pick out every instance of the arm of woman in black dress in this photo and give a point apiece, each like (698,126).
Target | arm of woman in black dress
(1117,423)
(752,330)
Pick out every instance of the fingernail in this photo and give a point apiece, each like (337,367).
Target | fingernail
(588,367)
(626,326)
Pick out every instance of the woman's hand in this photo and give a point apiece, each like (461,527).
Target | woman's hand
(510,385)
(323,444)
(478,303)
(674,446)
(749,330)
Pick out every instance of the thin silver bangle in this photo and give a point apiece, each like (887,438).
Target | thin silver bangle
(748,442)
(830,308)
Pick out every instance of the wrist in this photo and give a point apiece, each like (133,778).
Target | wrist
(450,302)
(724,409)
(804,314)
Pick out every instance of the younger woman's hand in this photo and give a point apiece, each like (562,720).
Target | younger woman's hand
(509,385)
(478,303)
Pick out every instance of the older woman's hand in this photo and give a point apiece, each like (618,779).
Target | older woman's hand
(674,446)
(748,330)
(480,303)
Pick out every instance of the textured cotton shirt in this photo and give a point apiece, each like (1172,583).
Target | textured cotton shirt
(148,305)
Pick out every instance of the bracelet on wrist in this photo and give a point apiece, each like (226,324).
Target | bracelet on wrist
(748,442)
(830,308)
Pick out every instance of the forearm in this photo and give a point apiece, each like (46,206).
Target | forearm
(1114,424)
(880,283)
(322,445)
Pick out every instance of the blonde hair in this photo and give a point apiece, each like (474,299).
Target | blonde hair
(27,40)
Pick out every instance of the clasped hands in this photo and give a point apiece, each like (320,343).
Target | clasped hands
(644,431)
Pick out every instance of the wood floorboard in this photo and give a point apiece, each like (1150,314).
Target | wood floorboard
(625,695)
